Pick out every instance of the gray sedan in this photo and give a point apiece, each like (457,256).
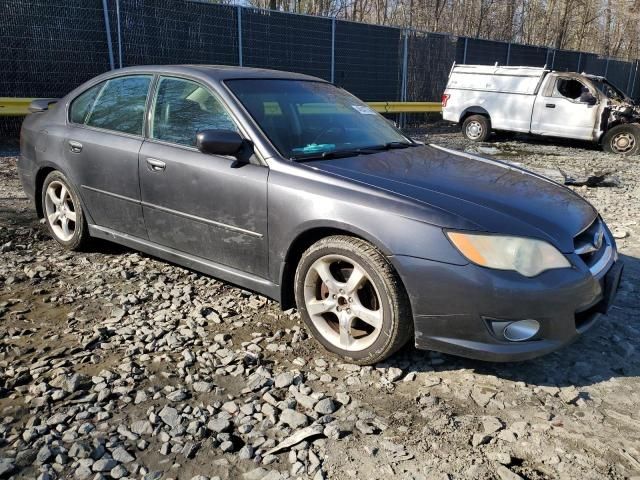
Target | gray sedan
(291,187)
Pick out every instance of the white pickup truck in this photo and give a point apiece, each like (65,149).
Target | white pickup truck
(542,102)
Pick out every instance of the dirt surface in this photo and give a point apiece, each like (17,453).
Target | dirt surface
(117,365)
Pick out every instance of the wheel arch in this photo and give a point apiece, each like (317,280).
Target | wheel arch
(303,240)
(41,174)
(475,110)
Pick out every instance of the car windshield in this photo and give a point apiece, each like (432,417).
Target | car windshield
(608,89)
(308,119)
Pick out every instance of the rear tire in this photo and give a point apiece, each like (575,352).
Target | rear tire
(622,139)
(63,212)
(476,128)
(365,320)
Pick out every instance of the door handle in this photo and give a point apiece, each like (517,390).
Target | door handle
(550,105)
(74,146)
(156,165)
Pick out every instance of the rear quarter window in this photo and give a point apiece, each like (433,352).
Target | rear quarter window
(117,104)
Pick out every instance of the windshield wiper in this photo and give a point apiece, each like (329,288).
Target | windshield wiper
(355,151)
(334,154)
(391,146)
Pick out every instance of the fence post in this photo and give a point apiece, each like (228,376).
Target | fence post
(633,85)
(553,59)
(606,68)
(579,61)
(464,56)
(508,54)
(119,34)
(405,73)
(333,50)
(105,11)
(239,35)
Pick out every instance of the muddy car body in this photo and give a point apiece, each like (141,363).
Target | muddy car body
(542,102)
(286,185)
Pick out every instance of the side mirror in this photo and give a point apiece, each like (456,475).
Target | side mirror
(224,142)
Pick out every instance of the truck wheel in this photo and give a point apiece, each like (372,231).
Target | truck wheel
(622,139)
(352,300)
(476,128)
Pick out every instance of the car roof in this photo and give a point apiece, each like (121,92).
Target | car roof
(218,72)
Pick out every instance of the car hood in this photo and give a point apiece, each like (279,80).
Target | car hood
(494,196)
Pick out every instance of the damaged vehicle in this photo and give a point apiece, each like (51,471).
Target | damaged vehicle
(539,101)
(291,187)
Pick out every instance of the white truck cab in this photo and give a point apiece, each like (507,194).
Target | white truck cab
(542,102)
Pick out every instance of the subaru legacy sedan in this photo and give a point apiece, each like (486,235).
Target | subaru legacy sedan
(291,187)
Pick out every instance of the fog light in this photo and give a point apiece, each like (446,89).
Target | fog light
(521,330)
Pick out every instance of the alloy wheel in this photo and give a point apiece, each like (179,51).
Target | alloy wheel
(343,302)
(60,210)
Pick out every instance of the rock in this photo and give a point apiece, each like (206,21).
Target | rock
(118,471)
(491,425)
(500,457)
(296,438)
(255,474)
(170,416)
(219,425)
(569,394)
(479,439)
(121,455)
(246,453)
(44,454)
(203,387)
(284,379)
(483,395)
(104,465)
(142,427)
(230,407)
(505,474)
(367,427)
(293,419)
(6,467)
(177,396)
(326,406)
(227,446)
(394,373)
(80,450)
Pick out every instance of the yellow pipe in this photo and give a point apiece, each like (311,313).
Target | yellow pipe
(406,107)
(13,107)
(10,106)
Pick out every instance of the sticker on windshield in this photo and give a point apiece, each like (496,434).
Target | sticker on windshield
(363,110)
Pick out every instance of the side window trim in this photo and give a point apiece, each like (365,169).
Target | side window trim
(154,98)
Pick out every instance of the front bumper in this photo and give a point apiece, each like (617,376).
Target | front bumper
(455,305)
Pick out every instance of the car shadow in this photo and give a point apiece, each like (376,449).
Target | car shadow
(611,349)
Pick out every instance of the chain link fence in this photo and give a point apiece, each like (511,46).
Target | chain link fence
(48,47)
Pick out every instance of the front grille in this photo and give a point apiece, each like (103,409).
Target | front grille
(591,244)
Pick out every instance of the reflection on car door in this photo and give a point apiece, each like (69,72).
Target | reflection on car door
(558,111)
(101,147)
(203,205)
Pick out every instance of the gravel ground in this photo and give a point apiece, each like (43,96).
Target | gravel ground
(116,365)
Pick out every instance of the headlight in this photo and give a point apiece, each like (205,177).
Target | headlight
(527,256)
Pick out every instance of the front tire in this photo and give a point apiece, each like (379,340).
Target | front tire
(622,139)
(352,300)
(476,128)
(63,212)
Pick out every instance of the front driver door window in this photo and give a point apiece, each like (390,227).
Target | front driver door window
(199,204)
(568,110)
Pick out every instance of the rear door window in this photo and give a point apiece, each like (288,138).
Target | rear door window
(183,108)
(117,104)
